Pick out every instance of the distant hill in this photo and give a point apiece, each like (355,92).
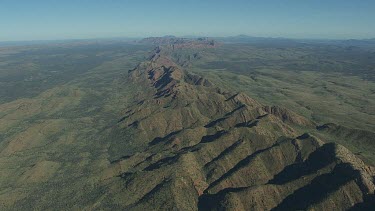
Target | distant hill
(134,127)
(366,43)
(176,42)
(252,39)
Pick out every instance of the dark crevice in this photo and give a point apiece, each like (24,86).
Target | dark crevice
(262,116)
(243,163)
(164,80)
(149,195)
(232,97)
(319,188)
(213,123)
(162,162)
(165,138)
(141,102)
(225,152)
(134,124)
(120,159)
(211,138)
(249,124)
(304,136)
(148,159)
(212,201)
(125,117)
(193,148)
(318,159)
(236,109)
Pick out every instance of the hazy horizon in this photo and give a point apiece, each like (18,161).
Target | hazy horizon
(56,20)
(251,105)
(186,36)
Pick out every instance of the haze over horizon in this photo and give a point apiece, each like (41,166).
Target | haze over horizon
(187,105)
(55,20)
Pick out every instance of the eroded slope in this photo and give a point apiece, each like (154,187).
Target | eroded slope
(209,149)
(180,142)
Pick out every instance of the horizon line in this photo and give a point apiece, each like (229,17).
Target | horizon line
(185,36)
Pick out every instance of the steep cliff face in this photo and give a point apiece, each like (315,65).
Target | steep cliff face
(210,149)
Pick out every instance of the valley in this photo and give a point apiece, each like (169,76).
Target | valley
(186,124)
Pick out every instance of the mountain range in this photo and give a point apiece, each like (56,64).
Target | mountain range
(143,131)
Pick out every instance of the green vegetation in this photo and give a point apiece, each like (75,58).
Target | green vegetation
(341,93)
(323,94)
(78,130)
(56,127)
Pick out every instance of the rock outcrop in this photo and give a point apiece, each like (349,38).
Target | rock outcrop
(209,149)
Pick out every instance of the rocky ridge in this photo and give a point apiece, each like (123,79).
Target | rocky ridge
(209,149)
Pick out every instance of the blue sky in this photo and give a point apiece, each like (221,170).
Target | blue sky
(67,19)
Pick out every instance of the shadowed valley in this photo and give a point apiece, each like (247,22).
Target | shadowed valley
(168,135)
